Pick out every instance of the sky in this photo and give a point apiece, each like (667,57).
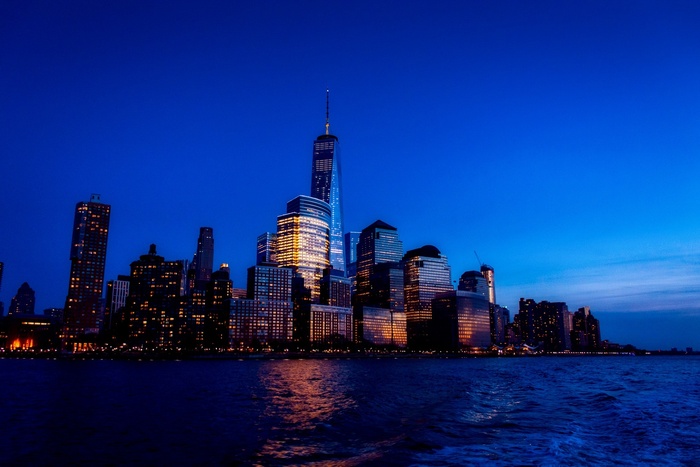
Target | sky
(557,140)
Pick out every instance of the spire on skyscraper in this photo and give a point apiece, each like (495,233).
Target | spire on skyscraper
(328,120)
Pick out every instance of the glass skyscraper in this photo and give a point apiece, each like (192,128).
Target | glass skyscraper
(303,240)
(326,186)
(426,273)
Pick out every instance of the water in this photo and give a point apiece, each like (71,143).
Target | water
(376,412)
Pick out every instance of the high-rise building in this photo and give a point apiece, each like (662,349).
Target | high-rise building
(335,289)
(326,186)
(543,324)
(265,317)
(383,327)
(203,261)
(88,254)
(303,239)
(266,248)
(23,302)
(487,272)
(426,274)
(154,300)
(378,243)
(461,320)
(474,281)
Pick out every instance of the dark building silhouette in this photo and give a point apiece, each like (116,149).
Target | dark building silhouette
(326,186)
(54,314)
(2,305)
(23,302)
(585,332)
(426,274)
(88,254)
(203,260)
(153,302)
(474,281)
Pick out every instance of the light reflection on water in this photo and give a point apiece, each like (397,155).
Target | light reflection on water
(301,396)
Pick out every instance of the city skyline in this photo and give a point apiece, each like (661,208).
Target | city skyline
(556,141)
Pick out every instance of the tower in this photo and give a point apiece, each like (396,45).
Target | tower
(426,273)
(379,243)
(87,255)
(203,261)
(326,186)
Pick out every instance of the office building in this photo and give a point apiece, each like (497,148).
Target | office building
(303,241)
(585,332)
(383,327)
(326,186)
(488,274)
(88,254)
(351,241)
(426,274)
(335,289)
(263,319)
(474,281)
(461,320)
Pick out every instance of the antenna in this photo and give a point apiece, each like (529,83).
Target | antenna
(478,259)
(328,122)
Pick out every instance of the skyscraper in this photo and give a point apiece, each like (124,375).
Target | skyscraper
(426,273)
(326,186)
(303,240)
(23,302)
(154,297)
(203,261)
(379,243)
(87,255)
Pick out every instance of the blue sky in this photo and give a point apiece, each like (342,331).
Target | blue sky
(557,139)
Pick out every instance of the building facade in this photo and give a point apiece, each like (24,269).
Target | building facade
(88,255)
(23,302)
(426,274)
(461,321)
(303,241)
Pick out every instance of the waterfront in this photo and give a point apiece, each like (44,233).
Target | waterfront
(499,411)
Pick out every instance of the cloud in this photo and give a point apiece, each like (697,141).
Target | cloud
(664,282)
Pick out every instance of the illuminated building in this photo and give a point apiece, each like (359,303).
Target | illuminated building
(203,261)
(383,327)
(542,324)
(266,248)
(264,319)
(461,320)
(329,326)
(154,300)
(378,243)
(24,332)
(335,289)
(87,255)
(23,302)
(585,332)
(303,241)
(379,277)
(219,292)
(426,274)
(326,186)
(501,318)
